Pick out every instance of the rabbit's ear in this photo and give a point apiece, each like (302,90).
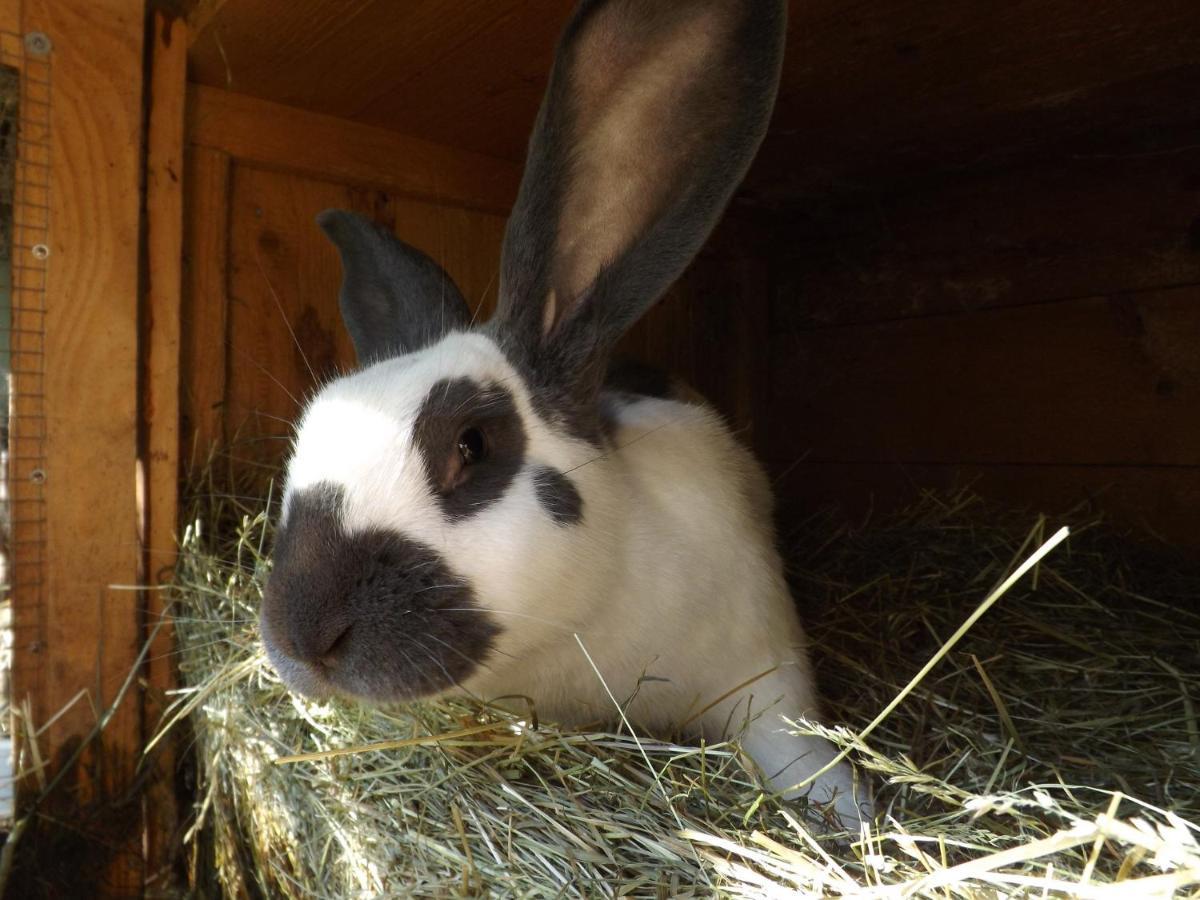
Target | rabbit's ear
(652,115)
(394,298)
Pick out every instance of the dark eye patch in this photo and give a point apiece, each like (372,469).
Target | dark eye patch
(452,406)
(558,496)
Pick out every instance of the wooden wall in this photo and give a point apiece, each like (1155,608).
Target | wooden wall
(260,317)
(1035,331)
(78,617)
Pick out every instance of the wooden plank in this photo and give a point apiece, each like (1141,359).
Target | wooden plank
(10,22)
(1098,381)
(1072,228)
(874,93)
(323,146)
(872,89)
(91,626)
(285,330)
(468,74)
(1159,500)
(710,330)
(160,410)
(204,316)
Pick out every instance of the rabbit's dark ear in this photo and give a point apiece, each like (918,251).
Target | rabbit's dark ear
(653,113)
(394,298)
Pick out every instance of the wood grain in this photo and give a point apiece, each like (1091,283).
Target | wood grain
(872,91)
(468,74)
(1157,500)
(710,330)
(326,147)
(91,626)
(204,316)
(1032,234)
(10,20)
(285,330)
(876,93)
(1097,381)
(160,410)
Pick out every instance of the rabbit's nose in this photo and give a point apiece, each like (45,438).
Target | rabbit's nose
(320,644)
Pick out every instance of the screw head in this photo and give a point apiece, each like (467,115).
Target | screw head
(40,251)
(38,44)
(37,476)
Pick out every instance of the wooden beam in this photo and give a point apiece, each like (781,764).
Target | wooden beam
(160,406)
(288,139)
(87,622)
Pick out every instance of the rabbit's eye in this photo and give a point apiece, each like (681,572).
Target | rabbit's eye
(472,446)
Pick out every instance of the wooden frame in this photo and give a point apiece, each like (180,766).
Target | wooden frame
(83,631)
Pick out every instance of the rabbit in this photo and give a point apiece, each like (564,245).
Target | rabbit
(494,508)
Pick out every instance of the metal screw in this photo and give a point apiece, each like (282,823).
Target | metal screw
(37,476)
(40,251)
(38,44)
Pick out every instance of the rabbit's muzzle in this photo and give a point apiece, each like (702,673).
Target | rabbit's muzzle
(372,615)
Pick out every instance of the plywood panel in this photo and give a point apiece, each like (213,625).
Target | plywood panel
(285,332)
(1097,381)
(1076,228)
(91,627)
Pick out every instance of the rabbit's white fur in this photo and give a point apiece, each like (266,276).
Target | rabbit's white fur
(672,575)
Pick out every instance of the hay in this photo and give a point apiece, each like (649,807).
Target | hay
(1039,758)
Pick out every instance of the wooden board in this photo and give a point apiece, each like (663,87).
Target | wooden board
(323,146)
(285,333)
(1158,500)
(160,414)
(203,366)
(1098,381)
(90,622)
(467,74)
(10,19)
(872,90)
(711,331)
(875,93)
(1033,234)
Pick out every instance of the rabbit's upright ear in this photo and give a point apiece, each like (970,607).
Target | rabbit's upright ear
(394,298)
(653,113)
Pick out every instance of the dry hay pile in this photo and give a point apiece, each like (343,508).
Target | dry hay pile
(1055,751)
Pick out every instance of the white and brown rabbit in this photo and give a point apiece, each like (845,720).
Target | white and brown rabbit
(475,496)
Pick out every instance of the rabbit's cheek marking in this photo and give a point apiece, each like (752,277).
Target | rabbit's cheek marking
(370,614)
(558,496)
(451,406)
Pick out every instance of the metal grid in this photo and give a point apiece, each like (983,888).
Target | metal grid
(25,211)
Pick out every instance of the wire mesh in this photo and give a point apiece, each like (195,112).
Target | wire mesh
(25,183)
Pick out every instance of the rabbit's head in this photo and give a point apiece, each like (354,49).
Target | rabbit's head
(453,502)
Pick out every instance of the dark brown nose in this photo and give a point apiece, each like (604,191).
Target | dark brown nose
(318,643)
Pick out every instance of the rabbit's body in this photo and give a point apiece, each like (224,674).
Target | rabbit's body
(474,504)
